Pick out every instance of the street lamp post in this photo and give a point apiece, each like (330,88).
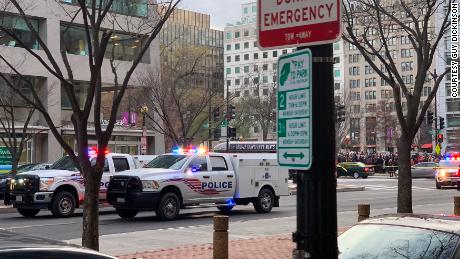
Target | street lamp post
(144,111)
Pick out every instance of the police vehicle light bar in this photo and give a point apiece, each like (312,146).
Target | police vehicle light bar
(201,150)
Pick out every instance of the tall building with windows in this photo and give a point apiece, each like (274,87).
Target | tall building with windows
(447,107)
(248,69)
(59,33)
(371,120)
(190,33)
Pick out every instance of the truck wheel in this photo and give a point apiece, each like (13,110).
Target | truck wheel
(225,209)
(127,214)
(168,207)
(438,185)
(63,204)
(28,213)
(265,201)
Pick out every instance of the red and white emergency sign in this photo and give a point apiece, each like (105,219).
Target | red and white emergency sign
(284,23)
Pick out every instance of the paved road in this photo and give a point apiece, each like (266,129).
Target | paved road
(380,192)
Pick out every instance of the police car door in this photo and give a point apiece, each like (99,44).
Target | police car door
(223,178)
(196,179)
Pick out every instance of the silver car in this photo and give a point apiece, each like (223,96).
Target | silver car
(424,170)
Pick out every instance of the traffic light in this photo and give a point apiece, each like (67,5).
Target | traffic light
(231,113)
(216,114)
(441,123)
(231,132)
(440,138)
(429,117)
(340,113)
(217,133)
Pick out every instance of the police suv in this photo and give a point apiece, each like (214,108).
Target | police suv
(194,178)
(61,188)
(448,173)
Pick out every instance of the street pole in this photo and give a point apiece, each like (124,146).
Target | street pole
(209,128)
(316,234)
(435,131)
(227,118)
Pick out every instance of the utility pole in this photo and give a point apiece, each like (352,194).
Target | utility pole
(226,117)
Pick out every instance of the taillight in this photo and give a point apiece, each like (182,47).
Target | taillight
(366,169)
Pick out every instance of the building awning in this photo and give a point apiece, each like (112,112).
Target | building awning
(427,146)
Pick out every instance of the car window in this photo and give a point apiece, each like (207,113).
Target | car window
(120,164)
(388,241)
(218,163)
(106,164)
(198,164)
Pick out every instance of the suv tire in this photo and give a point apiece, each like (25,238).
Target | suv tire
(28,213)
(127,214)
(168,207)
(265,201)
(63,204)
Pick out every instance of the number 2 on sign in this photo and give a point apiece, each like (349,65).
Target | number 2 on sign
(282,101)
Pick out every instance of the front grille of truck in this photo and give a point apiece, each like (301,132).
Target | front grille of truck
(25,184)
(125,183)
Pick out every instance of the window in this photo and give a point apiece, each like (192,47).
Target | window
(106,164)
(229,82)
(246,34)
(218,163)
(237,81)
(336,72)
(265,67)
(122,46)
(265,54)
(370,95)
(246,56)
(265,79)
(246,69)
(237,46)
(229,47)
(228,71)
(120,164)
(256,68)
(265,92)
(245,10)
(80,89)
(229,35)
(255,80)
(255,44)
(284,51)
(246,93)
(229,58)
(246,81)
(336,86)
(368,70)
(237,58)
(256,129)
(11,98)
(256,55)
(407,53)
(354,84)
(275,53)
(426,91)
(18,26)
(246,45)
(256,92)
(198,164)
(336,46)
(406,66)
(237,93)
(354,71)
(131,7)
(453,105)
(254,9)
(353,58)
(275,66)
(237,34)
(237,70)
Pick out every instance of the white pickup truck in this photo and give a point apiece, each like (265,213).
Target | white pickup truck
(60,188)
(174,181)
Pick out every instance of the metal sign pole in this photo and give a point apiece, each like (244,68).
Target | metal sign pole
(317,227)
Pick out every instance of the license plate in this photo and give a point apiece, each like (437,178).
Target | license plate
(18,198)
(121,200)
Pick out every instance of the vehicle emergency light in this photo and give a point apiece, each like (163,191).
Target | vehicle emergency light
(92,152)
(201,150)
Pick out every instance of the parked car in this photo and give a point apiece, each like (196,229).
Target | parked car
(354,169)
(15,245)
(423,170)
(402,236)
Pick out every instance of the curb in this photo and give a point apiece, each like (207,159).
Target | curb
(6,209)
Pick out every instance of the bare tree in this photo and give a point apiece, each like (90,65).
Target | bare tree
(257,106)
(373,26)
(179,97)
(99,25)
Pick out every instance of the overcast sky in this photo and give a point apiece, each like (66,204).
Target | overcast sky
(221,11)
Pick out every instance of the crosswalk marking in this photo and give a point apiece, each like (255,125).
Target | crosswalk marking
(384,187)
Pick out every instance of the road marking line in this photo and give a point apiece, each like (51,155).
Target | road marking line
(44,225)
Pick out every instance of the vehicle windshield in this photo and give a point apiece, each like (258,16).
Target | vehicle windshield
(388,241)
(174,162)
(65,163)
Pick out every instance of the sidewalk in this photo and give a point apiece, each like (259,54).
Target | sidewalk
(340,188)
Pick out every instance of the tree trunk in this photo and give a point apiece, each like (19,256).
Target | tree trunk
(90,234)
(404,176)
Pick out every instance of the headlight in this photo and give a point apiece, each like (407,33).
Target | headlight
(442,173)
(45,183)
(150,185)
